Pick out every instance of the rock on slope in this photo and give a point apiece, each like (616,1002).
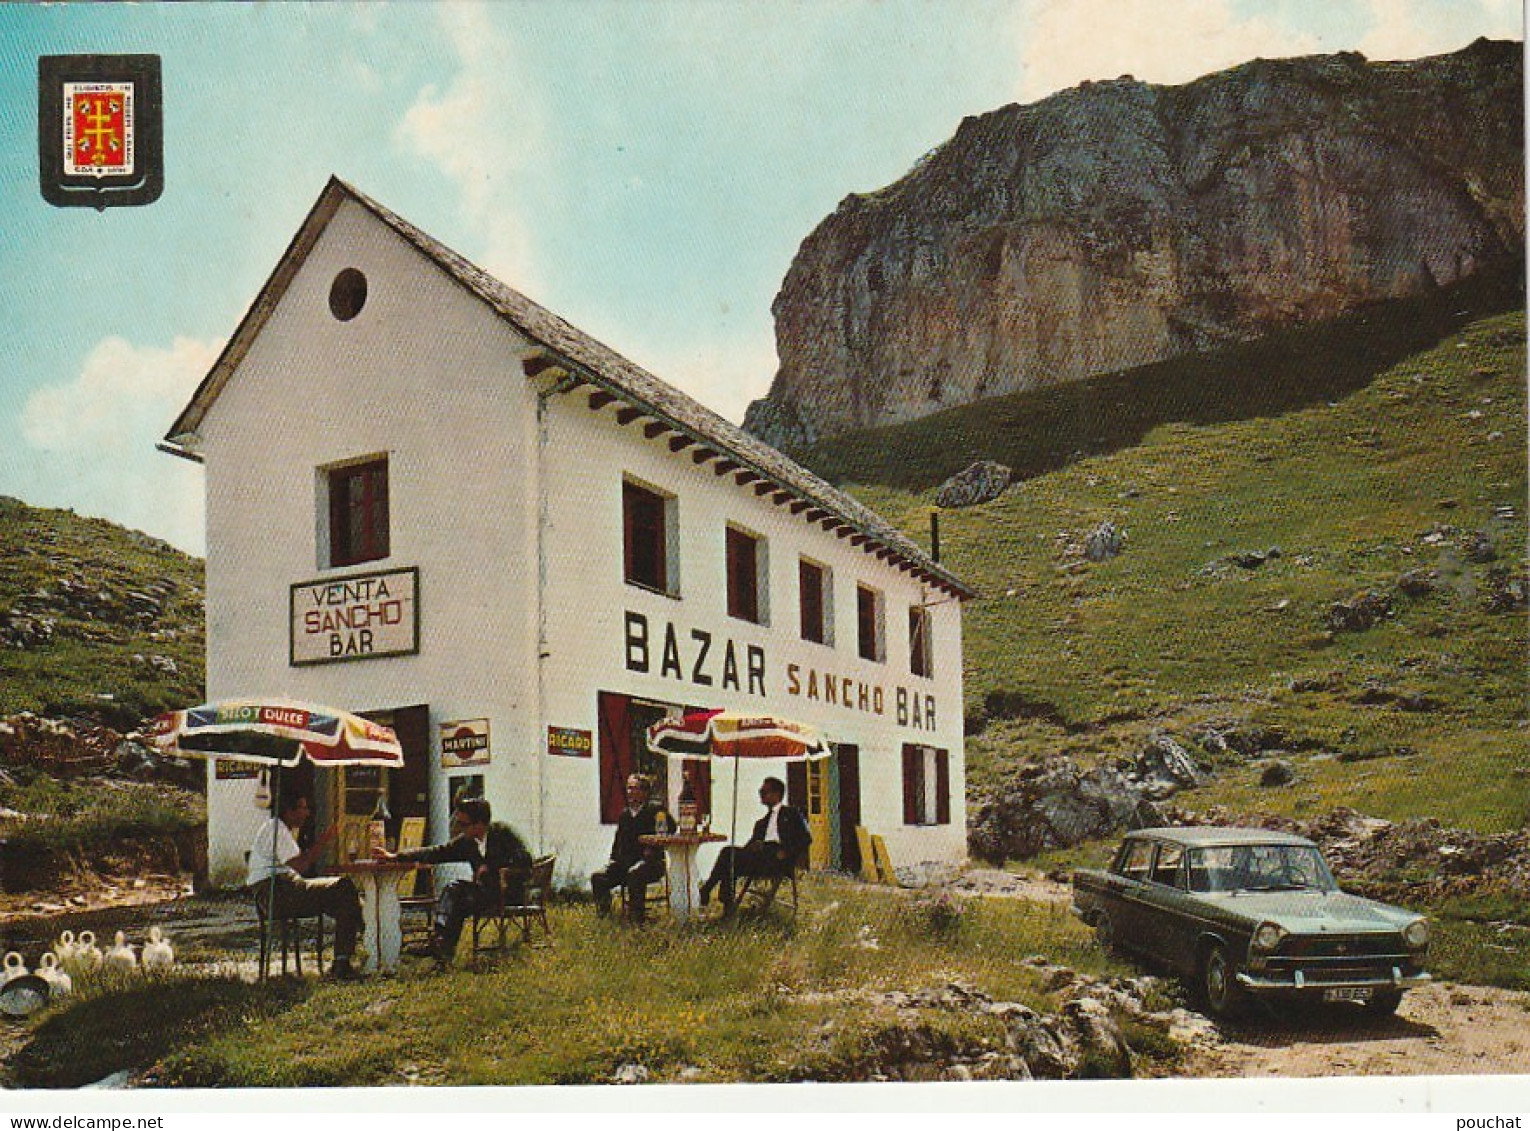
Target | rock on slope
(1118,224)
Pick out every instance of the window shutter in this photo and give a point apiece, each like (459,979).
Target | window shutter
(796,785)
(913,784)
(615,755)
(942,787)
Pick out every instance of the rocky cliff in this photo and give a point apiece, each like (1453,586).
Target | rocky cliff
(1118,224)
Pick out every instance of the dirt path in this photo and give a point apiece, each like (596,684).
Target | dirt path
(1440,1030)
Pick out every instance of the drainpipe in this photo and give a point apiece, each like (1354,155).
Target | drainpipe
(564,382)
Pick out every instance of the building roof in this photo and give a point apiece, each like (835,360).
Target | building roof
(1206,836)
(582,361)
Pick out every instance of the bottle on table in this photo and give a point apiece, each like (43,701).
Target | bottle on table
(377,827)
(687,808)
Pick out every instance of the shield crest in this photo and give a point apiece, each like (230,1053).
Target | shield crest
(98,129)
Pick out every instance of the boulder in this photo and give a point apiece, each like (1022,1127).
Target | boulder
(1359,612)
(980,482)
(1276,773)
(1104,542)
(1056,805)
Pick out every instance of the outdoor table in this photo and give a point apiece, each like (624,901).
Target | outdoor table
(680,859)
(377,880)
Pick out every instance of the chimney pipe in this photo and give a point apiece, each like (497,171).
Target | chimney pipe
(935,537)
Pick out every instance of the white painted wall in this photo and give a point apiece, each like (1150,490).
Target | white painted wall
(431,377)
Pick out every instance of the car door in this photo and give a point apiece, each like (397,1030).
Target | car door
(1128,889)
(1167,926)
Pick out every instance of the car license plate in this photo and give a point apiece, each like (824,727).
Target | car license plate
(1348,993)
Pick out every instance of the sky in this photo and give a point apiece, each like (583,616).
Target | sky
(646,170)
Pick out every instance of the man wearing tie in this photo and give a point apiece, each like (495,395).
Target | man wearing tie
(484,847)
(778,845)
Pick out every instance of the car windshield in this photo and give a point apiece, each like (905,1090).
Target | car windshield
(1259,867)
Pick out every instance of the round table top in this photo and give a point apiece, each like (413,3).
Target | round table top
(367,867)
(681,840)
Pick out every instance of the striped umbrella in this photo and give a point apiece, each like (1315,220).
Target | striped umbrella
(276,732)
(736,735)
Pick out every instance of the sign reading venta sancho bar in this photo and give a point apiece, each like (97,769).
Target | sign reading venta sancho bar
(355,618)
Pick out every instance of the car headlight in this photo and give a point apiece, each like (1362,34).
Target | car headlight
(1416,934)
(1267,936)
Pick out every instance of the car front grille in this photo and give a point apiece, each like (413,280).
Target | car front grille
(1388,946)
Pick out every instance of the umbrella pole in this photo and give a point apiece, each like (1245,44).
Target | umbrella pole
(275,811)
(733,833)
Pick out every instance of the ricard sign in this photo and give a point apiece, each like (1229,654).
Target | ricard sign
(355,618)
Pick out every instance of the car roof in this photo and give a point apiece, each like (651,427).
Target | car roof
(1206,836)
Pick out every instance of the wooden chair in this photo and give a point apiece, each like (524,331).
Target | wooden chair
(760,893)
(417,891)
(497,920)
(650,897)
(289,931)
(533,905)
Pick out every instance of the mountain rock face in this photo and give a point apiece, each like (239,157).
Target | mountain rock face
(1118,224)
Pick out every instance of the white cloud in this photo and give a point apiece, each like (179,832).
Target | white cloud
(94,436)
(483,131)
(1408,29)
(1064,42)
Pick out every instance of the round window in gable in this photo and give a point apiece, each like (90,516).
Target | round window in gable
(348,294)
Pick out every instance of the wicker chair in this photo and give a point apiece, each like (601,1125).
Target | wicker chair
(490,928)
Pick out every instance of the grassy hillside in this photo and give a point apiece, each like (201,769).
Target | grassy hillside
(1364,473)
(95,620)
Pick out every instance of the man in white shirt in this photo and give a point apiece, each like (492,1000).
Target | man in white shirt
(275,852)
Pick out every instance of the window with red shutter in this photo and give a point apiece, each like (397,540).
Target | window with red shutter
(920,659)
(869,624)
(913,785)
(358,513)
(743,554)
(646,520)
(812,586)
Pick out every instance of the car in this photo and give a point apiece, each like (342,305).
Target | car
(1248,913)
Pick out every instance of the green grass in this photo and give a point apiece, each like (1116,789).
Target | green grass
(88,668)
(1066,656)
(769,1000)
(92,817)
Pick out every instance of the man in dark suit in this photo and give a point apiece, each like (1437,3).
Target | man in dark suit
(633,864)
(486,848)
(778,845)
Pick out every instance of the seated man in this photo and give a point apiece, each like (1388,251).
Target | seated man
(778,845)
(275,852)
(633,864)
(486,847)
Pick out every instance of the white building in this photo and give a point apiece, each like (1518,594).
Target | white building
(432,501)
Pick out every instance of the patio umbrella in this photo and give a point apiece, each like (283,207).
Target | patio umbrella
(278,734)
(737,735)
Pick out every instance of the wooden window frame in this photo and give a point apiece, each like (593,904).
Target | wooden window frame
(745,568)
(870,626)
(926,802)
(648,522)
(358,521)
(815,615)
(921,645)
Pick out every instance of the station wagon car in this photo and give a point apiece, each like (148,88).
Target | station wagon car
(1242,913)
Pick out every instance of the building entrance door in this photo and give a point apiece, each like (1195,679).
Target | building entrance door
(351,792)
(847,807)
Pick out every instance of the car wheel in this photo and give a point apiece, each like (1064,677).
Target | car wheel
(1384,1003)
(1219,986)
(1105,933)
